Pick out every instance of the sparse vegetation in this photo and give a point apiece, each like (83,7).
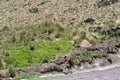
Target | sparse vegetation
(34,10)
(33,32)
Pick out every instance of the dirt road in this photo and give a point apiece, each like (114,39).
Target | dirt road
(110,74)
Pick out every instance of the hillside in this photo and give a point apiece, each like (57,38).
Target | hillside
(66,12)
(61,36)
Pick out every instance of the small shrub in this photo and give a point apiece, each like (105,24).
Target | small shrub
(34,10)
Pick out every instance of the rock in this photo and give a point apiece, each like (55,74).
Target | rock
(50,67)
(62,59)
(81,67)
(31,69)
(85,43)
(79,36)
(67,72)
(105,46)
(119,50)
(117,22)
(59,60)
(89,20)
(100,62)
(87,65)
(44,68)
(114,58)
(79,51)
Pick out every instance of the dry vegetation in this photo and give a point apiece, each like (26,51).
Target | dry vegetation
(26,13)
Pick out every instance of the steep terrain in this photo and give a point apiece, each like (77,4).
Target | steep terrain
(57,35)
(67,12)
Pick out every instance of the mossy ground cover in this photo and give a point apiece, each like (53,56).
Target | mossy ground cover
(25,46)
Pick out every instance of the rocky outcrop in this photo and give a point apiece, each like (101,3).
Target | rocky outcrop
(44,68)
(85,43)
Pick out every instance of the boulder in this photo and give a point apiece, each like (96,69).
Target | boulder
(119,50)
(89,20)
(87,65)
(31,69)
(117,22)
(59,60)
(85,43)
(100,62)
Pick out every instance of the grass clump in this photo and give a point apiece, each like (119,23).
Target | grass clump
(44,52)
(36,44)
